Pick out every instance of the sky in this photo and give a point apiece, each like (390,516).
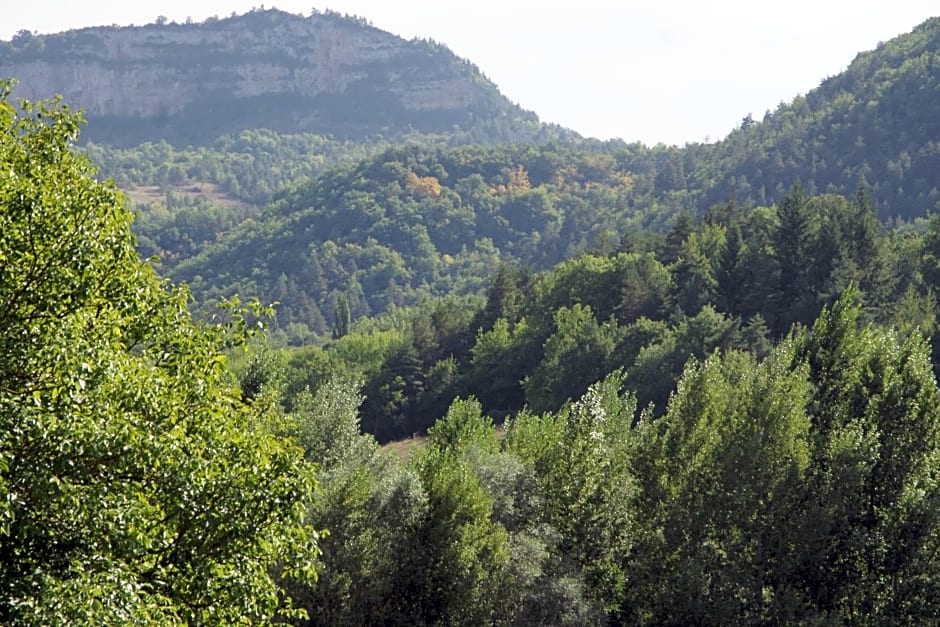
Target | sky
(656,71)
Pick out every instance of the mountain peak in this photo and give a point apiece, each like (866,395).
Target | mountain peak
(190,83)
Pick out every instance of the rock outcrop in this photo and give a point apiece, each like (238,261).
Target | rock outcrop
(190,83)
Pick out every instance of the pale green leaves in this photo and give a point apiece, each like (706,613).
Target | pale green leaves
(135,487)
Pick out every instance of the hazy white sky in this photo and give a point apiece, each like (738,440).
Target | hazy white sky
(671,71)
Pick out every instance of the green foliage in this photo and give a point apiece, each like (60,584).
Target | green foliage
(875,416)
(411,222)
(576,355)
(731,270)
(798,489)
(876,120)
(136,486)
(659,364)
(716,473)
(341,317)
(784,472)
(430,219)
(543,338)
(249,166)
(463,546)
(374,510)
(263,376)
(327,423)
(499,358)
(581,459)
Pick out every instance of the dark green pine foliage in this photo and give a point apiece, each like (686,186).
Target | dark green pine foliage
(793,242)
(341,317)
(510,290)
(682,226)
(732,278)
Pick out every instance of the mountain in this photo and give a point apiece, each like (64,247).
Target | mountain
(412,222)
(428,218)
(325,74)
(879,119)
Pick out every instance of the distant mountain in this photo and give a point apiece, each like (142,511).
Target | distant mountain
(411,222)
(326,74)
(879,119)
(428,218)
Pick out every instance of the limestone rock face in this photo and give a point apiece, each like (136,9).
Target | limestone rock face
(265,69)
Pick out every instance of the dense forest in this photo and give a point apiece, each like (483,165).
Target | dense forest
(298,379)
(301,219)
(733,280)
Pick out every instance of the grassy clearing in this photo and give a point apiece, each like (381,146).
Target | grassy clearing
(150,194)
(404,449)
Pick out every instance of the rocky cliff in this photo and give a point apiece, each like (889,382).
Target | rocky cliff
(190,83)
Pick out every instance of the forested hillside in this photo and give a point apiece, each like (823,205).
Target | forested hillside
(427,219)
(734,280)
(415,222)
(879,119)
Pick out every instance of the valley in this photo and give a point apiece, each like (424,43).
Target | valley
(296,305)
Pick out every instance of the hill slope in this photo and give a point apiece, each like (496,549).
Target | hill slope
(191,83)
(880,119)
(417,221)
(407,223)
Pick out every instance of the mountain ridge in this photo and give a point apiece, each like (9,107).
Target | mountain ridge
(879,119)
(191,83)
(434,218)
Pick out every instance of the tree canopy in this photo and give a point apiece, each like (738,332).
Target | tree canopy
(135,485)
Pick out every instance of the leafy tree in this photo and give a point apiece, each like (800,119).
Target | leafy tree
(659,364)
(800,489)
(500,356)
(263,376)
(576,355)
(390,393)
(326,423)
(580,456)
(872,488)
(716,474)
(507,294)
(136,487)
(463,548)
(683,225)
(373,508)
